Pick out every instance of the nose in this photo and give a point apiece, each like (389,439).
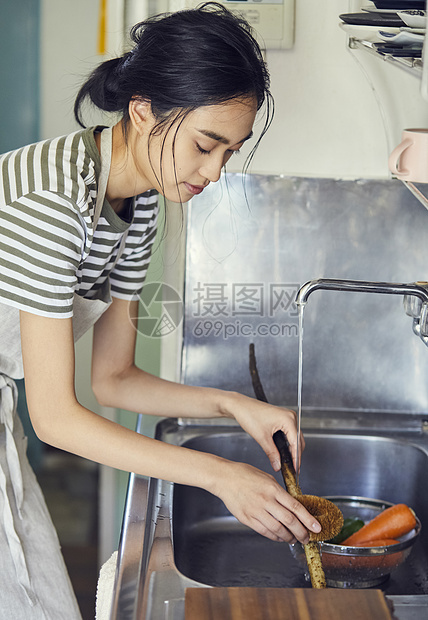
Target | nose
(211,170)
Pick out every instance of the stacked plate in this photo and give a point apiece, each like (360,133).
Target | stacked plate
(395,27)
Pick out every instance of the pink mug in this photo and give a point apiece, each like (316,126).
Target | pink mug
(409,160)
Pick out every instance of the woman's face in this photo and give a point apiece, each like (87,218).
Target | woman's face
(184,159)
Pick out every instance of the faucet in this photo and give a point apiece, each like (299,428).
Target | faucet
(415,297)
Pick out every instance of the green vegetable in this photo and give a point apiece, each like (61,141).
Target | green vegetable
(350,526)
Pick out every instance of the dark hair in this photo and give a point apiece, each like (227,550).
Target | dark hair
(182,61)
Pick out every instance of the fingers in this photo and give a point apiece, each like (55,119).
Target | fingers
(282,524)
(298,520)
(257,500)
(274,457)
(272,453)
(292,519)
(262,420)
(288,425)
(273,530)
(278,516)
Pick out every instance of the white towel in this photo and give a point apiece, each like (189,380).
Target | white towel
(105,588)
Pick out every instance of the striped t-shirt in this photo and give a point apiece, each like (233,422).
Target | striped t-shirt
(48,249)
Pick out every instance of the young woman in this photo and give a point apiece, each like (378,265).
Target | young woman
(77,224)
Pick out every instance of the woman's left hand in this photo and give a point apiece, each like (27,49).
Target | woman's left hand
(261,421)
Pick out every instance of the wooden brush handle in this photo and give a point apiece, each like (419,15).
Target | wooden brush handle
(312,552)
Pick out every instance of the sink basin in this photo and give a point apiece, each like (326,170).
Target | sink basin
(175,537)
(213,548)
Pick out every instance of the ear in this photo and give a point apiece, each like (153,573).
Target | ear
(140,114)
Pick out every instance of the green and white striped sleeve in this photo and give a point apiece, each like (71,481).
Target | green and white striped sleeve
(42,240)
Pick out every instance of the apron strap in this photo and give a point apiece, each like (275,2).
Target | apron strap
(106,144)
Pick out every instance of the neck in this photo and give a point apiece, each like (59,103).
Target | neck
(124,181)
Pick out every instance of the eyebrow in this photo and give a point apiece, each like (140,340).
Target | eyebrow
(215,136)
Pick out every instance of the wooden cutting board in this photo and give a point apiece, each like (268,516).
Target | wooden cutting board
(284,604)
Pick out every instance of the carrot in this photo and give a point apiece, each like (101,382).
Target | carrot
(392,522)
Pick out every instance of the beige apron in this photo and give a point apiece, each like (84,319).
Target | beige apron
(34,579)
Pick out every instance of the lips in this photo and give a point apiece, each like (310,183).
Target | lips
(194,189)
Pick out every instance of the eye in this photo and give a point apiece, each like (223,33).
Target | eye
(231,152)
(201,150)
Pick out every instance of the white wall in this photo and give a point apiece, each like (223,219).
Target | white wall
(68,53)
(331,121)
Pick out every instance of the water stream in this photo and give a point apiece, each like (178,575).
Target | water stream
(299,385)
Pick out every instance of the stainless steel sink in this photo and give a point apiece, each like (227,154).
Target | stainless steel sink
(177,536)
(212,547)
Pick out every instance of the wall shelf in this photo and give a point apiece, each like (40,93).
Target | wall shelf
(408,64)
(411,65)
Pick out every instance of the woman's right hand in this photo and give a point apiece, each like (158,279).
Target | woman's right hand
(258,501)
